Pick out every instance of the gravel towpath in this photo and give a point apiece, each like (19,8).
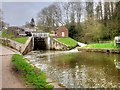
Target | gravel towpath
(8,78)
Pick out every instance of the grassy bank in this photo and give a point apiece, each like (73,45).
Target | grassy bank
(21,39)
(68,41)
(30,74)
(12,36)
(102,46)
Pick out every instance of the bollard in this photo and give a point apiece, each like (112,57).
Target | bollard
(20,49)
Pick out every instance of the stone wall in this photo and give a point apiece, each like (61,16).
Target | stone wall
(117,51)
(22,48)
(28,46)
(56,45)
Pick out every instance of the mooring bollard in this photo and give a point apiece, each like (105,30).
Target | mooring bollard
(20,49)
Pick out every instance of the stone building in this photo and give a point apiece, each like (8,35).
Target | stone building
(61,32)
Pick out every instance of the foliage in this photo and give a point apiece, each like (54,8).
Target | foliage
(88,31)
(92,31)
(31,74)
(68,41)
(72,31)
(21,39)
(75,31)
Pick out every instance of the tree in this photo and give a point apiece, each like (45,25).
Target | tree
(32,23)
(99,12)
(2,23)
(86,21)
(72,31)
(66,11)
(1,19)
(116,18)
(106,16)
(1,15)
(89,10)
(78,9)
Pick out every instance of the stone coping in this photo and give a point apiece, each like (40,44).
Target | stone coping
(104,50)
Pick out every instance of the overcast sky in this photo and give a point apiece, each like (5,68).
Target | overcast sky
(18,13)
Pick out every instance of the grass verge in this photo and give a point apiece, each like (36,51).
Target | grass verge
(68,41)
(31,74)
(6,35)
(21,39)
(11,36)
(102,46)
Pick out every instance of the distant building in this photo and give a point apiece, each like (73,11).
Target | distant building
(17,31)
(61,32)
(30,29)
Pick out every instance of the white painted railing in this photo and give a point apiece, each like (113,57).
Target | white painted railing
(40,35)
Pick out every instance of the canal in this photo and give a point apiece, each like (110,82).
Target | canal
(79,69)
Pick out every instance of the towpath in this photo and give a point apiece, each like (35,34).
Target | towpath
(8,79)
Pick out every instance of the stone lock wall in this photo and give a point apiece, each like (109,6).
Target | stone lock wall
(22,48)
(56,45)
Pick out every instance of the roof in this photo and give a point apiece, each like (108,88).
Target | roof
(61,28)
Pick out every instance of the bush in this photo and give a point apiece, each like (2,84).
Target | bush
(31,74)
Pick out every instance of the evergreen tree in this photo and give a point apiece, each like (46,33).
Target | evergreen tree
(32,23)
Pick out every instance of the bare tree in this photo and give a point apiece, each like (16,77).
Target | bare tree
(78,9)
(50,17)
(99,11)
(89,10)
(1,15)
(66,10)
(106,12)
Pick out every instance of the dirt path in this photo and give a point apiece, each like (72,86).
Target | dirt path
(8,78)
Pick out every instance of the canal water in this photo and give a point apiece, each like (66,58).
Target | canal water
(79,69)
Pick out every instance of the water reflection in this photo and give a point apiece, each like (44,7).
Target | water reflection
(79,70)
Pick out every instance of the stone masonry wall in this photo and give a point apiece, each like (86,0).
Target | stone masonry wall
(22,48)
(56,45)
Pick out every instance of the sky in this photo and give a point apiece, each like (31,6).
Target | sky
(18,13)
